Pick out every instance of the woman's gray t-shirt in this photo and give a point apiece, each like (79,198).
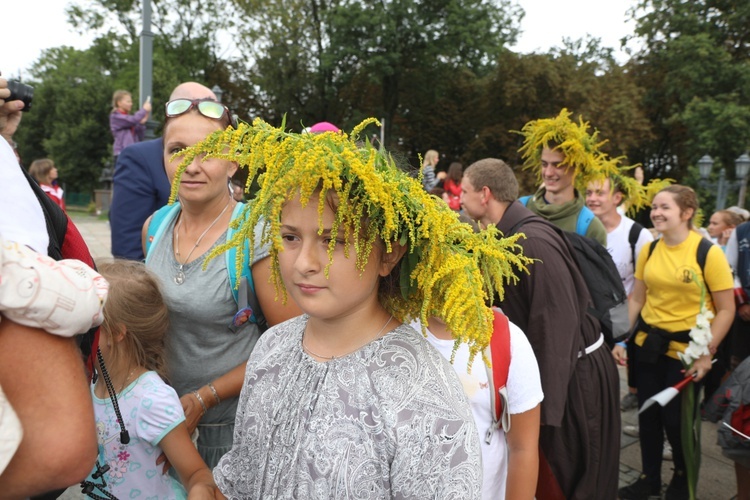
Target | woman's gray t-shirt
(202,344)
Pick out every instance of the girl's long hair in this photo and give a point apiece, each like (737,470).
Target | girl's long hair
(135,303)
(431,158)
(456,172)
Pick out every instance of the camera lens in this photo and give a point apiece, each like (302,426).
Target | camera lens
(21,92)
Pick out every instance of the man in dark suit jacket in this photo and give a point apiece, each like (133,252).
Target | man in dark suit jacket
(140,188)
(140,184)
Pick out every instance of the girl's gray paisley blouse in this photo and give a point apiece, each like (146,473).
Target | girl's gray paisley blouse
(387,421)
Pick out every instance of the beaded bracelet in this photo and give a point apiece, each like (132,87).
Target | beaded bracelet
(216,394)
(200,400)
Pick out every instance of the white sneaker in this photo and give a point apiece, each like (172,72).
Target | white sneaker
(631,430)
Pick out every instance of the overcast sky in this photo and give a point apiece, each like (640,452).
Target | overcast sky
(33,25)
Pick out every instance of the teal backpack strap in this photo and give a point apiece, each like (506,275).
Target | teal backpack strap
(243,290)
(524,200)
(585,216)
(159,222)
(231,257)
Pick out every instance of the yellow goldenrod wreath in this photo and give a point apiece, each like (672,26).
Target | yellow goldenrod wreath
(448,271)
(581,149)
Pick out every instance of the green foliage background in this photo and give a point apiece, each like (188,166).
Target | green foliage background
(438,71)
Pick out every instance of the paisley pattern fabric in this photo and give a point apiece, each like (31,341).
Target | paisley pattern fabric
(387,421)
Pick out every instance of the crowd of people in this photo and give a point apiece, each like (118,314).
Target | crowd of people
(347,333)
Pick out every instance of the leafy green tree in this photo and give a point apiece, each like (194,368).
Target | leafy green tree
(185,40)
(69,118)
(311,55)
(73,89)
(695,67)
(581,77)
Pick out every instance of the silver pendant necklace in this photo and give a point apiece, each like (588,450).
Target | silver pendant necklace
(331,358)
(179,277)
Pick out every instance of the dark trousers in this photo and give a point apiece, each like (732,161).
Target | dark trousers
(652,379)
(714,378)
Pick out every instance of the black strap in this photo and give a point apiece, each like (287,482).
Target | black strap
(703,247)
(635,233)
(679,336)
(656,343)
(54,217)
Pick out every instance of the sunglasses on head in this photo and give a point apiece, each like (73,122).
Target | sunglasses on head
(209,109)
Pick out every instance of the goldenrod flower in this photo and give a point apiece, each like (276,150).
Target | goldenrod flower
(448,270)
(581,149)
(582,153)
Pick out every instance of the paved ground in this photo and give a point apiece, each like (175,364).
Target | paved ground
(717,481)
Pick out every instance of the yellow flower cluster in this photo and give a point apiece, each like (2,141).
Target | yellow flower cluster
(582,152)
(581,149)
(448,270)
(636,196)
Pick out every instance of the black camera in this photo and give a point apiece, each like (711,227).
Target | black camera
(21,92)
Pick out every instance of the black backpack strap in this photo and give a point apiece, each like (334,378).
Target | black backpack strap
(635,233)
(703,248)
(651,248)
(54,217)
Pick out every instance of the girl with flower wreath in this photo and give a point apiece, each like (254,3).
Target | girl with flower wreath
(348,401)
(670,308)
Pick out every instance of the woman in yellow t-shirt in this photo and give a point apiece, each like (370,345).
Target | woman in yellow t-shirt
(664,304)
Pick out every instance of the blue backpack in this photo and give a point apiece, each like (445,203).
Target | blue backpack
(585,216)
(248,307)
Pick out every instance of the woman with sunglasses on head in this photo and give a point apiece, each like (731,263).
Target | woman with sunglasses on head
(206,348)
